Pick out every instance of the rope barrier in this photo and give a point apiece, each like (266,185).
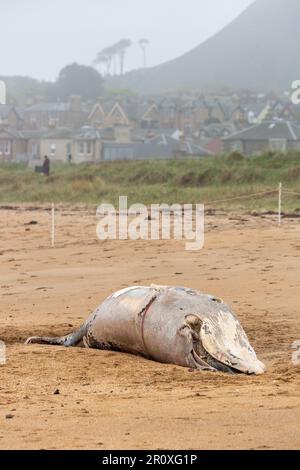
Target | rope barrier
(290,192)
(248,196)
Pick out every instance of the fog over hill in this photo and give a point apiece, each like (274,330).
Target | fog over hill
(259,50)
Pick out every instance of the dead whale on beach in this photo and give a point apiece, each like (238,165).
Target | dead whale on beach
(173,325)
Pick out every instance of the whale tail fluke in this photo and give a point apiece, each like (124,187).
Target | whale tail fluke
(73,339)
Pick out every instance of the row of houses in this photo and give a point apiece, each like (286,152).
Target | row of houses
(154,127)
(188,114)
(89,144)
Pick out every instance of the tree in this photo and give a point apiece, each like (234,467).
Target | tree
(143,43)
(121,48)
(80,80)
(105,57)
(109,55)
(102,59)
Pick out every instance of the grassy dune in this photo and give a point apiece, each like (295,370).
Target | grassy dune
(190,181)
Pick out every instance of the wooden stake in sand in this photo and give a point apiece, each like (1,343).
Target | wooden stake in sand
(53,226)
(279,203)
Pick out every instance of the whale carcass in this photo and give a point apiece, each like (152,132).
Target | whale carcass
(174,325)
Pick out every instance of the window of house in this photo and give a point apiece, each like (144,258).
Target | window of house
(89,148)
(237,146)
(171,113)
(53,149)
(34,150)
(5,148)
(278,145)
(81,148)
(145,124)
(69,148)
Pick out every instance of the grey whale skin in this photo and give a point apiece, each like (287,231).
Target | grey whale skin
(173,325)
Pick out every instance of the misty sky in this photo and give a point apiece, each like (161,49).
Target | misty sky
(39,37)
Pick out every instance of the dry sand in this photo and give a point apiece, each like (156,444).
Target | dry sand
(109,400)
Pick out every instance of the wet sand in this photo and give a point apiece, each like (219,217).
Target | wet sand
(108,400)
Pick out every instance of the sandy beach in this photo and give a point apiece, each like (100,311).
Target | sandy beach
(56,398)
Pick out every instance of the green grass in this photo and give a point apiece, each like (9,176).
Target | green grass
(182,181)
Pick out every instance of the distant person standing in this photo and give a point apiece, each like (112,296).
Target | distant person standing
(70,158)
(46,166)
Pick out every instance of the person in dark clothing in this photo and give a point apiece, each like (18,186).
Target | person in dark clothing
(46,166)
(70,158)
